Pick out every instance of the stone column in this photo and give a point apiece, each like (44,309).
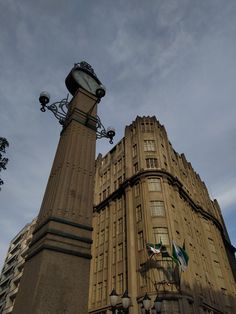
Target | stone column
(56,272)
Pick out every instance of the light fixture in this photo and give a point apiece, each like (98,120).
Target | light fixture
(60,109)
(113,298)
(125,300)
(157,304)
(146,302)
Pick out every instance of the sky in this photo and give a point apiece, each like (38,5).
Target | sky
(174,59)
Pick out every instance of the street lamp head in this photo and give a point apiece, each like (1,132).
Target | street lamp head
(157,304)
(113,298)
(110,134)
(101,91)
(146,302)
(44,99)
(125,300)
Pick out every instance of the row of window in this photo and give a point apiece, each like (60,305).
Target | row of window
(151,163)
(149,146)
(99,291)
(160,234)
(157,209)
(154,185)
(100,261)
(117,228)
(106,175)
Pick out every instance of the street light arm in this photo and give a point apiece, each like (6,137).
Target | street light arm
(60,109)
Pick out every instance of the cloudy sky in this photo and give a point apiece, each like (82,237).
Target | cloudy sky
(171,58)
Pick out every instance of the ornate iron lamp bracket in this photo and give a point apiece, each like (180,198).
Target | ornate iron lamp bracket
(102,132)
(60,108)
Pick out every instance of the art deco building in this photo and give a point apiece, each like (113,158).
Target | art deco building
(13,268)
(146,192)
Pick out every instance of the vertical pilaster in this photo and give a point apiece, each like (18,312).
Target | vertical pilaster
(131,249)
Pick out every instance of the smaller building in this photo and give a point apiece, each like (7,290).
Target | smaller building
(13,268)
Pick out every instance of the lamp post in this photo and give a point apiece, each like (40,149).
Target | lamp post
(125,300)
(56,271)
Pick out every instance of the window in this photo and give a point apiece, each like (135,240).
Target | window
(157,208)
(102,216)
(113,255)
(115,168)
(120,225)
(106,234)
(136,190)
(154,185)
(140,241)
(138,213)
(114,229)
(104,194)
(94,293)
(135,167)
(151,163)
(105,259)
(161,234)
(100,262)
(113,282)
(120,252)
(149,146)
(104,289)
(96,264)
(119,165)
(119,203)
(217,270)
(97,239)
(105,177)
(102,236)
(99,291)
(134,150)
(119,180)
(120,283)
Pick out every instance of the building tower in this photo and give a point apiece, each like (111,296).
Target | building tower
(145,192)
(13,268)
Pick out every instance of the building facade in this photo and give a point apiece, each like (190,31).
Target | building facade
(145,192)
(13,268)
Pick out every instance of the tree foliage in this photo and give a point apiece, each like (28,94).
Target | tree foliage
(3,160)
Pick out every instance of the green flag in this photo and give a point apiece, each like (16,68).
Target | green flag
(153,248)
(180,256)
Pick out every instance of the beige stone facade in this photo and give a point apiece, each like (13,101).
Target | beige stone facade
(146,192)
(13,268)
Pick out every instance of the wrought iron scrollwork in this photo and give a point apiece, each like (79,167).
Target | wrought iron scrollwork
(60,109)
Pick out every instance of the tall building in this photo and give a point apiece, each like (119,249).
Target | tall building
(145,192)
(13,268)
